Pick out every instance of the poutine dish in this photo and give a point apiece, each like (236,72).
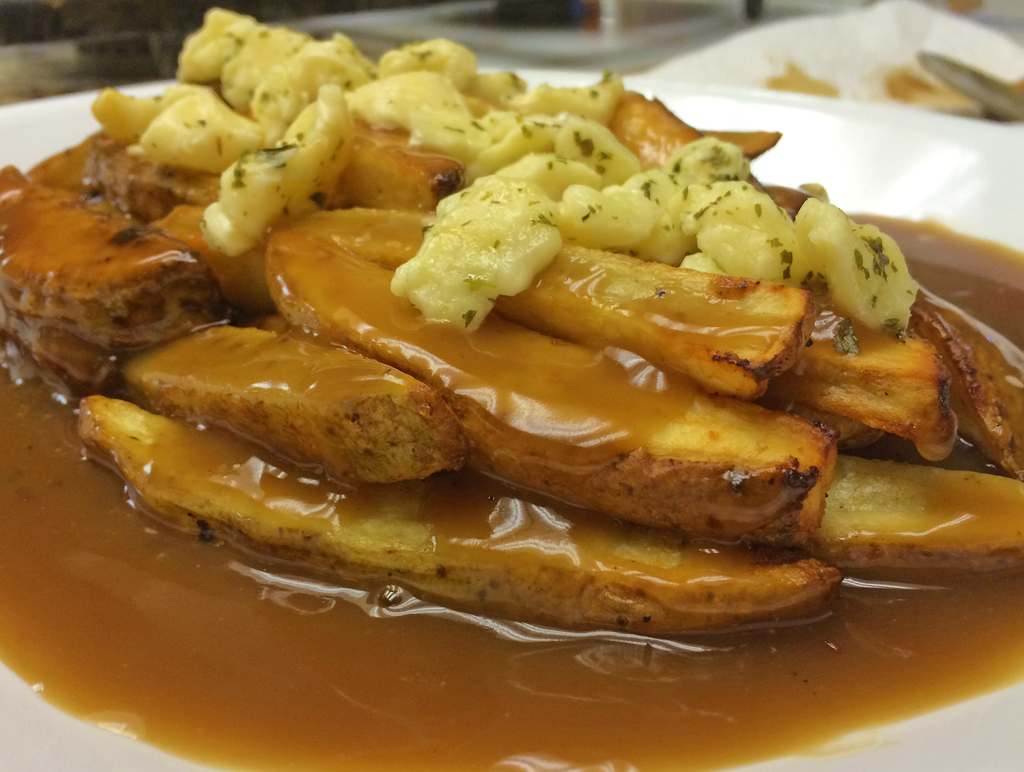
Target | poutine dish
(361,316)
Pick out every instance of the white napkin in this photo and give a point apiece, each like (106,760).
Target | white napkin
(853,51)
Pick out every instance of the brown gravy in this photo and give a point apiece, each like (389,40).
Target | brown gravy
(213,654)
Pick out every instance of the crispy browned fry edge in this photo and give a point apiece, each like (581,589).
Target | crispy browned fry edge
(767,480)
(139,186)
(582,295)
(985,390)
(898,385)
(882,514)
(730,335)
(382,172)
(77,286)
(652,132)
(356,418)
(627,578)
(852,434)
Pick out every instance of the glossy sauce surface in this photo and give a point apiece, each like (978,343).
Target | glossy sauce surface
(522,378)
(558,417)
(666,309)
(884,513)
(463,539)
(216,655)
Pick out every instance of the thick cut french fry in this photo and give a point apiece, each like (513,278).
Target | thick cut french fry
(141,187)
(987,393)
(730,335)
(242,278)
(850,433)
(467,542)
(614,435)
(77,287)
(884,514)
(898,385)
(652,132)
(354,417)
(384,172)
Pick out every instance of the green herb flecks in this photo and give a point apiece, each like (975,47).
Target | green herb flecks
(787,260)
(585,144)
(844,339)
(893,327)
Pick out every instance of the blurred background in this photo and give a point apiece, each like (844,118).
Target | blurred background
(50,47)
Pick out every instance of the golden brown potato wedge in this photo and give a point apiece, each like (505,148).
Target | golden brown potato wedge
(70,274)
(385,173)
(898,385)
(652,132)
(139,186)
(730,335)
(850,433)
(612,435)
(358,419)
(987,393)
(382,172)
(242,278)
(885,514)
(753,143)
(463,541)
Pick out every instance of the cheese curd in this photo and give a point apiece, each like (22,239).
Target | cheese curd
(261,49)
(264,185)
(454,61)
(594,145)
(709,159)
(126,117)
(288,87)
(595,103)
(543,165)
(614,219)
(513,137)
(743,231)
(489,240)
(552,173)
(740,231)
(199,131)
(496,88)
(866,272)
(698,261)
(206,50)
(429,106)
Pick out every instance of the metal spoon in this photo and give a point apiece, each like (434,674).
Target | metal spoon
(1000,100)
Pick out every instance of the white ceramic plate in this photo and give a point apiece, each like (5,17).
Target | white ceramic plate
(872,158)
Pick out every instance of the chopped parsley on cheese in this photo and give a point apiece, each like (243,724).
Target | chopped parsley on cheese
(456,62)
(489,240)
(596,103)
(553,173)
(496,88)
(262,186)
(543,166)
(200,132)
(290,86)
(709,159)
(866,271)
